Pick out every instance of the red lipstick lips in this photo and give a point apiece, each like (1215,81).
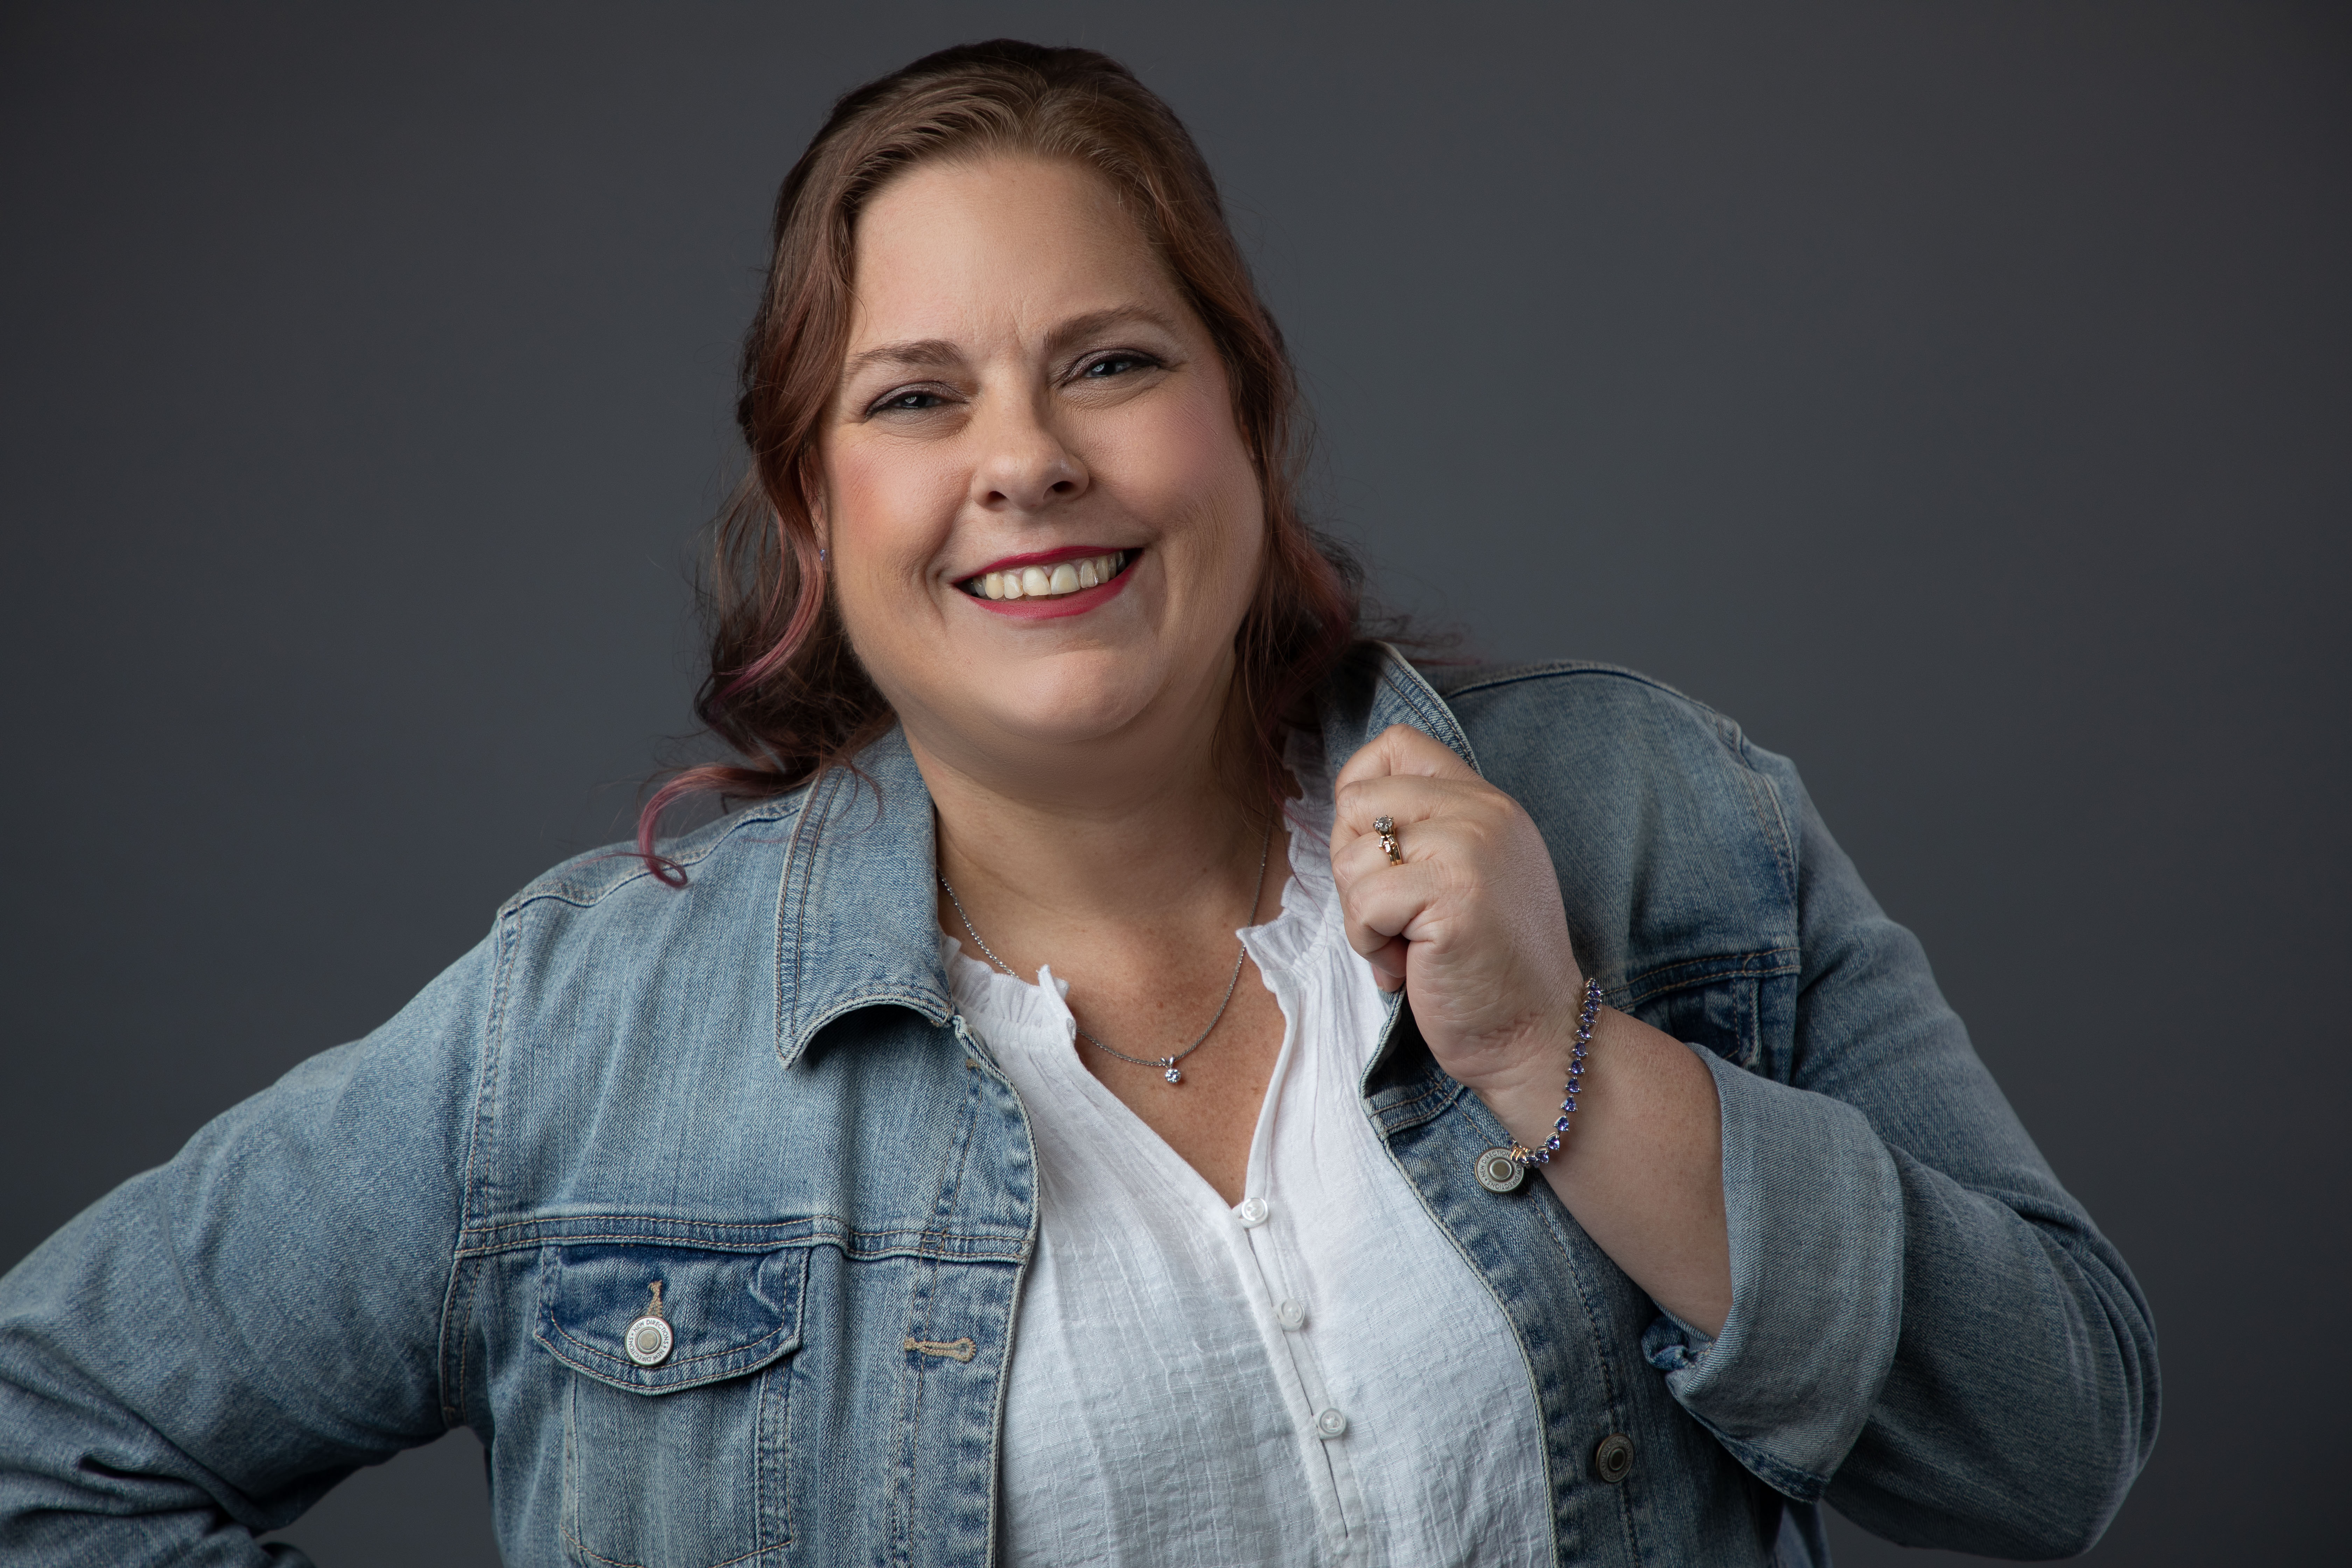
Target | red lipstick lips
(1048,584)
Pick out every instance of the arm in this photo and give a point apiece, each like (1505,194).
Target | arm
(201,1354)
(1877,1291)
(1472,926)
(1928,1331)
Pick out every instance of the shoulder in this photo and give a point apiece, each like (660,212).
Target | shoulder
(712,857)
(1593,706)
(1624,766)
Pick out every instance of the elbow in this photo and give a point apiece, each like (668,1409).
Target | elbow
(2088,1423)
(2031,1518)
(2068,1525)
(2044,1480)
(2061,1492)
(2078,1513)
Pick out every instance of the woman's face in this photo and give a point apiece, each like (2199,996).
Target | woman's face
(1044,527)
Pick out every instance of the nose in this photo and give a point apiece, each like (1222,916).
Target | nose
(1024,465)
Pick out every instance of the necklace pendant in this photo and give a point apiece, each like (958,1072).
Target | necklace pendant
(1171,1075)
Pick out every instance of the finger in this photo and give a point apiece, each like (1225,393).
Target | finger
(1402,750)
(1439,843)
(1388,964)
(1407,800)
(1397,902)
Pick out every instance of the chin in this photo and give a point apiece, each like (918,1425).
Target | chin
(1070,699)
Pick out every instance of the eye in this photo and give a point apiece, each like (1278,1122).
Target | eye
(913,401)
(1112,365)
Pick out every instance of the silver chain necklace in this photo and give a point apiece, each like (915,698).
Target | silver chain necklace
(1167,1065)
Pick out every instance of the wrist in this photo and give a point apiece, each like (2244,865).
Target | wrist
(1535,1099)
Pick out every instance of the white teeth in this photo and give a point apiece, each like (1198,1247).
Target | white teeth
(1049,582)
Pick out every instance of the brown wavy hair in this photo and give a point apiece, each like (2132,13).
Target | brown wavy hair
(785,689)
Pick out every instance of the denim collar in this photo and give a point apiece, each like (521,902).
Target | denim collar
(857,913)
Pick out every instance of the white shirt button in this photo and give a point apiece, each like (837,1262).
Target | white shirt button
(1291,1314)
(1331,1424)
(1253,1212)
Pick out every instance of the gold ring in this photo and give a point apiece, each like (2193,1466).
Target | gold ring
(1386,827)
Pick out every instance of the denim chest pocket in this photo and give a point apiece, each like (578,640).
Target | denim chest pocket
(1734,1005)
(674,1443)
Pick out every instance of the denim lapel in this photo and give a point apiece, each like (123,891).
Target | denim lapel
(1375,689)
(857,915)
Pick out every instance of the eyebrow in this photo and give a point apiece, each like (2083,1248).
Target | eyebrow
(937,353)
(930,352)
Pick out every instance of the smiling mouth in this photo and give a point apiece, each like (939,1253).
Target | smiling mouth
(1049,582)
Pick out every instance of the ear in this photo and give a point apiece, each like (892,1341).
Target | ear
(813,497)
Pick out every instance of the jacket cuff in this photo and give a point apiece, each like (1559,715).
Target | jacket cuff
(1815,1211)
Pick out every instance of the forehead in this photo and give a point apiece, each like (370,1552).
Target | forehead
(1007,245)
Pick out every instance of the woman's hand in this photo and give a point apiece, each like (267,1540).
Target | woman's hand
(1470,924)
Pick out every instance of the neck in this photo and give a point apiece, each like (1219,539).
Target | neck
(1133,836)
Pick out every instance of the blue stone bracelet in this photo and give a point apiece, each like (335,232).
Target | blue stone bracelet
(1551,1146)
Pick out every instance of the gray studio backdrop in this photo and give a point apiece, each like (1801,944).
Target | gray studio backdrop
(1955,394)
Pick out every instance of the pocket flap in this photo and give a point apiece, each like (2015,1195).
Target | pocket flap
(729,1312)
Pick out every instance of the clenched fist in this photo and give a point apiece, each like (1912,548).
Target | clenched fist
(1470,922)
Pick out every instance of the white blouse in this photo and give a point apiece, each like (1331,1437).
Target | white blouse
(1312,1376)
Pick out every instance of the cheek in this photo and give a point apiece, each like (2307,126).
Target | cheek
(887,510)
(1196,472)
(866,490)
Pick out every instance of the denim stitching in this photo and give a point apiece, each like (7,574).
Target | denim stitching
(797,864)
(1613,1397)
(453,1391)
(1516,674)
(560,887)
(748,1348)
(942,1212)
(1440,716)
(859,1248)
(573,1541)
(1761,791)
(670,1229)
(1638,991)
(922,1001)
(477,1161)
(1437,1092)
(494,1034)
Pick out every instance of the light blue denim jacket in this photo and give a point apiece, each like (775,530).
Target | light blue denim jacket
(756,1091)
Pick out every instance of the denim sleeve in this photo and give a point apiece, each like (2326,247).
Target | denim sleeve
(203,1353)
(1926,1331)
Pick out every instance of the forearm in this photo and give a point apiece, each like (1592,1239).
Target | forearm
(1642,1169)
(197,1357)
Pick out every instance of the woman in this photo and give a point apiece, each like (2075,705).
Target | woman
(1568,1161)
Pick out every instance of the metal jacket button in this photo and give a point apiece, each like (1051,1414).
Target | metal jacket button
(648,1340)
(1614,1460)
(1498,1172)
